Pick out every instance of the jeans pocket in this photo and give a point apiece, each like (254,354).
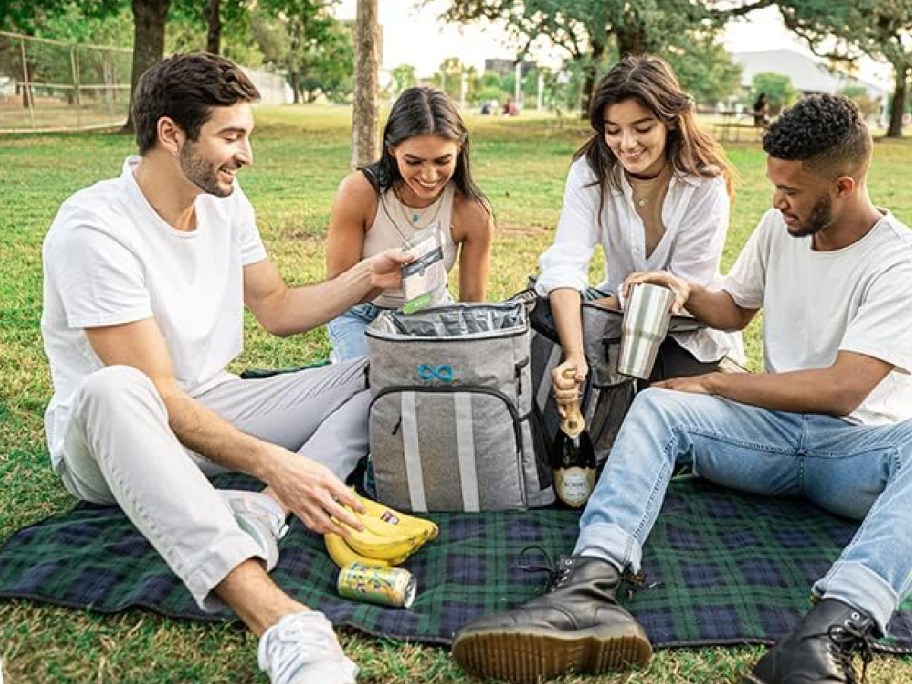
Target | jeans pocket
(366,311)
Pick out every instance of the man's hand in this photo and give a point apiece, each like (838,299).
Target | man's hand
(314,493)
(681,288)
(385,268)
(697,384)
(566,390)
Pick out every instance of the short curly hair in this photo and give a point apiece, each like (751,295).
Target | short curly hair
(827,132)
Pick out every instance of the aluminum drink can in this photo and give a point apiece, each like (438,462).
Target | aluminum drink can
(386,586)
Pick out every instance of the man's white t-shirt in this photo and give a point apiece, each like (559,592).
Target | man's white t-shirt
(815,303)
(110,259)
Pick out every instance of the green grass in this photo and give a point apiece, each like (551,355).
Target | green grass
(301,154)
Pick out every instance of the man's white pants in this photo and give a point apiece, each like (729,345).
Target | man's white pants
(120,449)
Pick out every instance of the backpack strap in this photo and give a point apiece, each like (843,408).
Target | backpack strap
(371,177)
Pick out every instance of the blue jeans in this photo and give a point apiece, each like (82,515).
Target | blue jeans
(346,332)
(861,472)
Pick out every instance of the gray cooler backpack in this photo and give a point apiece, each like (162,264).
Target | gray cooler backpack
(451,422)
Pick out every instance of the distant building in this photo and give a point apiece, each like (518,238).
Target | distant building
(807,74)
(504,67)
(273,87)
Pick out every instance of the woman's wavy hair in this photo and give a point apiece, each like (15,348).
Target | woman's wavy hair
(423,110)
(651,82)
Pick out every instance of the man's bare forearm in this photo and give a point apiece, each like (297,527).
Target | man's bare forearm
(208,434)
(818,390)
(717,309)
(306,307)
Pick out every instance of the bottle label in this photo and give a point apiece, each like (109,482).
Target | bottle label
(574,485)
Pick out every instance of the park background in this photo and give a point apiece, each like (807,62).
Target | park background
(302,152)
(68,64)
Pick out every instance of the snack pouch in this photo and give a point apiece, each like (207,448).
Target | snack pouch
(424,280)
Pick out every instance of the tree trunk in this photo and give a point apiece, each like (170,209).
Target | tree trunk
(898,106)
(148,43)
(631,40)
(213,26)
(598,52)
(365,110)
(294,80)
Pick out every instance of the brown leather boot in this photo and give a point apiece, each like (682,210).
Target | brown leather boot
(820,650)
(577,626)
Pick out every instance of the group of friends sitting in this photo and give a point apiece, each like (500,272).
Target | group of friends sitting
(146,277)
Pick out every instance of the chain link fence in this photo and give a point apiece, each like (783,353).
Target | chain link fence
(49,85)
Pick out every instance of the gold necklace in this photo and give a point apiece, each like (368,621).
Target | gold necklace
(416,212)
(402,211)
(646,186)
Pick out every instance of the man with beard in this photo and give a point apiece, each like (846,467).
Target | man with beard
(146,279)
(828,420)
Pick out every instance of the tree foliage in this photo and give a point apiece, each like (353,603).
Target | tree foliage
(843,30)
(778,88)
(403,76)
(704,69)
(450,75)
(192,26)
(41,17)
(860,96)
(587,29)
(302,38)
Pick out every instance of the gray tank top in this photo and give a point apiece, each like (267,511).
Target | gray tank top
(394,223)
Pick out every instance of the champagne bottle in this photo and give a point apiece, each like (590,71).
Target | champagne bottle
(573,458)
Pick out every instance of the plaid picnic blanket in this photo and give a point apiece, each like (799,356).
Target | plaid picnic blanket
(722,568)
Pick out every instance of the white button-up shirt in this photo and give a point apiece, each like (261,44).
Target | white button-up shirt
(695,214)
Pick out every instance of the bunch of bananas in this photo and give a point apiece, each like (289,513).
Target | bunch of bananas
(388,538)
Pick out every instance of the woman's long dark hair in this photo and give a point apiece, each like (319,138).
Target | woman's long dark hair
(421,111)
(651,82)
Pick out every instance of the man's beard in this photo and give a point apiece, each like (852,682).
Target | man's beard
(821,217)
(200,172)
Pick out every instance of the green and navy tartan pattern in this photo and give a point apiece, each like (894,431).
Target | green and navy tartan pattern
(722,568)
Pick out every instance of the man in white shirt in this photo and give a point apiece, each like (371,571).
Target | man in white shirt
(146,279)
(829,420)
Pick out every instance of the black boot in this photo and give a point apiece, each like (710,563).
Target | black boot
(820,649)
(577,626)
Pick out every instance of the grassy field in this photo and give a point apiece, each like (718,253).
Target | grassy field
(301,153)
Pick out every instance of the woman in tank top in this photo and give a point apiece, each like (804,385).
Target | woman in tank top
(655,192)
(421,182)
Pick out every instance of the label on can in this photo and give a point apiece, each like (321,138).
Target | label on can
(385,586)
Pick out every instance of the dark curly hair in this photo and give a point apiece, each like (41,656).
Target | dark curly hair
(826,132)
(185,88)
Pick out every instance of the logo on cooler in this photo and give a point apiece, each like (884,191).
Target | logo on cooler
(442,373)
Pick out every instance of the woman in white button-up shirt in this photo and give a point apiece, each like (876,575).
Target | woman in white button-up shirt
(655,192)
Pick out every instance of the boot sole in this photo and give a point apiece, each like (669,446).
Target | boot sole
(530,656)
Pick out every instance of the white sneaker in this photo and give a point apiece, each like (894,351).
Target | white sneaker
(260,517)
(301,648)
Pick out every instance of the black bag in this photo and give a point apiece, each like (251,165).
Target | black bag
(607,395)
